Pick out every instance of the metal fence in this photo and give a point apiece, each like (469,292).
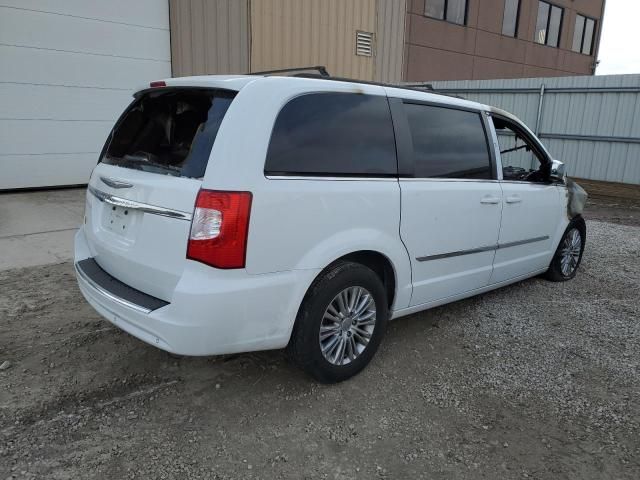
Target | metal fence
(592,124)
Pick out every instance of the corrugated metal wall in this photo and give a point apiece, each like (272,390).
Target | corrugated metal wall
(390,28)
(238,36)
(592,124)
(293,33)
(209,36)
(67,70)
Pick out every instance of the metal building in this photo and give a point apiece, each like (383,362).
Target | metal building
(68,68)
(389,40)
(360,39)
(590,123)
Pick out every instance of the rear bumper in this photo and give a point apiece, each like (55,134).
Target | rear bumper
(117,291)
(211,311)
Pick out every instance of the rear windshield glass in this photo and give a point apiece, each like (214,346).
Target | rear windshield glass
(168,131)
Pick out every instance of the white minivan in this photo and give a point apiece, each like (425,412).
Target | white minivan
(237,213)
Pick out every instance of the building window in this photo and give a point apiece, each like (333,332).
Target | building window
(510,19)
(549,24)
(454,11)
(583,35)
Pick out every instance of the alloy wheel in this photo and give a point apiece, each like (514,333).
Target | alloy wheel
(570,252)
(347,325)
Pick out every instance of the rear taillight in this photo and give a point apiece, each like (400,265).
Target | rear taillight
(157,84)
(219,228)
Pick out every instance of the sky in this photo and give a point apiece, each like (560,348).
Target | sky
(620,44)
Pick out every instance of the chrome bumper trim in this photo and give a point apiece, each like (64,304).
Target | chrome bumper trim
(488,248)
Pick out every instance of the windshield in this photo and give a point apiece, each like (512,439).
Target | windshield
(169,131)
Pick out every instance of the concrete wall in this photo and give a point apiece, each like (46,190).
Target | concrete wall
(209,36)
(438,50)
(293,33)
(590,123)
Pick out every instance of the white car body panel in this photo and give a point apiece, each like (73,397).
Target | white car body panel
(454,298)
(210,312)
(289,219)
(149,252)
(300,225)
(530,212)
(437,217)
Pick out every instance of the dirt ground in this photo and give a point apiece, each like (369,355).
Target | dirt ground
(615,210)
(536,380)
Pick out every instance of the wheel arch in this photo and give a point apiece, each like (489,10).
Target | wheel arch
(381,266)
(377,261)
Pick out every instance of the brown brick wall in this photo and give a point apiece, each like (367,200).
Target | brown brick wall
(438,50)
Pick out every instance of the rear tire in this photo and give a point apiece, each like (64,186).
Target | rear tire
(568,256)
(340,324)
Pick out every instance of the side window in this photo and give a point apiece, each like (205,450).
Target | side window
(448,143)
(333,134)
(520,161)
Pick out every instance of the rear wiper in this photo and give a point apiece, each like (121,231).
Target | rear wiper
(145,158)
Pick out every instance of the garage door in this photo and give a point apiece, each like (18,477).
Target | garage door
(67,70)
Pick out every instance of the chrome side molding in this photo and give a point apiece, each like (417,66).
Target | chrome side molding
(523,242)
(488,248)
(439,256)
(142,207)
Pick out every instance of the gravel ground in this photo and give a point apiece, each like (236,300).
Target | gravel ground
(537,380)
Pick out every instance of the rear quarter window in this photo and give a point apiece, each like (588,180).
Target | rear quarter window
(333,134)
(169,131)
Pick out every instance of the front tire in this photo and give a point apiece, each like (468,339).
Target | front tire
(340,324)
(568,256)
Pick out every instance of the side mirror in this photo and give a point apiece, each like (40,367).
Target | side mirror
(558,171)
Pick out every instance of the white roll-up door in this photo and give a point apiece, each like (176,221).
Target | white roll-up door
(67,70)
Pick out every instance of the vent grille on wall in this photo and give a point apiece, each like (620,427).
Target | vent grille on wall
(364,44)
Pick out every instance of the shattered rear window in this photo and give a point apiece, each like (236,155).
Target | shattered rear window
(169,131)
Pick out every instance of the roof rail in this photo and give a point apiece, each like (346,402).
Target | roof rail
(421,87)
(322,70)
(430,89)
(324,75)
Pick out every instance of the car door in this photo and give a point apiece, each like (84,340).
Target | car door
(451,201)
(531,204)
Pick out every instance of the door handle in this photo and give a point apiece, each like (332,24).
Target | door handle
(513,199)
(490,200)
